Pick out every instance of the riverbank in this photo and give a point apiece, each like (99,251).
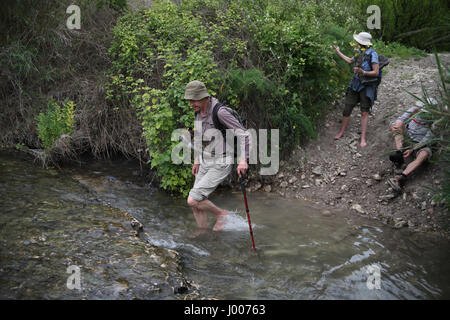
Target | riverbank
(53,220)
(340,174)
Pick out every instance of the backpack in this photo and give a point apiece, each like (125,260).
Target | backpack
(382,62)
(216,121)
(219,126)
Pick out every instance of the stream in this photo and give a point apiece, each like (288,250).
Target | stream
(85,216)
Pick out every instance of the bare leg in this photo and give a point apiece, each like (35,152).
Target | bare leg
(201,218)
(397,131)
(421,157)
(345,121)
(201,207)
(364,124)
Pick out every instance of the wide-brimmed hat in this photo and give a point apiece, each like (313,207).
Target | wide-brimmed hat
(195,90)
(363,38)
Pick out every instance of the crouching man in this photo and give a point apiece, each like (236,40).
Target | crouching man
(419,132)
(211,168)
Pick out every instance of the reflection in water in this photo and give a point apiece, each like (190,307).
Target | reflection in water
(302,252)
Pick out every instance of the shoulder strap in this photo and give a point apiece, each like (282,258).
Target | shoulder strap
(217,124)
(417,121)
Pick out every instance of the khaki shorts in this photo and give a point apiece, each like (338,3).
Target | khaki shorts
(351,100)
(209,176)
(427,149)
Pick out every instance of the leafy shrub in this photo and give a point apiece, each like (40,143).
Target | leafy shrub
(419,23)
(395,49)
(55,122)
(269,60)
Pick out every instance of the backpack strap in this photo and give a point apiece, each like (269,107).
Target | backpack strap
(370,80)
(217,124)
(423,123)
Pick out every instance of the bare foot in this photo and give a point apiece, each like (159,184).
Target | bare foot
(220,222)
(338,136)
(363,144)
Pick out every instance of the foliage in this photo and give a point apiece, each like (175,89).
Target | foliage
(42,59)
(118,5)
(396,49)
(56,121)
(423,24)
(270,60)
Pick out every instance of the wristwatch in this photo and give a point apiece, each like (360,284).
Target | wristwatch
(364,73)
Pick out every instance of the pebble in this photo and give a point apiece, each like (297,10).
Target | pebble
(424,205)
(376,177)
(400,224)
(387,197)
(358,208)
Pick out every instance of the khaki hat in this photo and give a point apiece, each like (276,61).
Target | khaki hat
(195,90)
(363,38)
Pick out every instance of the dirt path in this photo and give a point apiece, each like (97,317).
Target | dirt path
(339,174)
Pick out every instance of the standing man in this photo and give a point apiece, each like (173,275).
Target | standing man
(419,132)
(366,65)
(210,170)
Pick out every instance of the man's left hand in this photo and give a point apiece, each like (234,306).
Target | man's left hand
(242,168)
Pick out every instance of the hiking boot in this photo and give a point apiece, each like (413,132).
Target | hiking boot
(397,183)
(397,159)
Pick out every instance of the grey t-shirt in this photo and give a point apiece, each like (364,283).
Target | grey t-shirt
(417,129)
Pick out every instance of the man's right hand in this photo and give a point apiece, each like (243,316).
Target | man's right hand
(195,168)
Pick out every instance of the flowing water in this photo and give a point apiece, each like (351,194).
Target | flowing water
(51,219)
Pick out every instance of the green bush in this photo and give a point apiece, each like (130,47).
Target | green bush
(395,49)
(424,24)
(270,60)
(55,122)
